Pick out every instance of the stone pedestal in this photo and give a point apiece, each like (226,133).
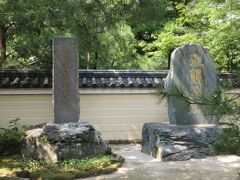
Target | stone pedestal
(178,143)
(56,142)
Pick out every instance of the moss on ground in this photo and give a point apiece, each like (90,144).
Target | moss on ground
(10,165)
(16,166)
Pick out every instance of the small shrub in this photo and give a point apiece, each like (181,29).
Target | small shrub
(12,138)
(228,141)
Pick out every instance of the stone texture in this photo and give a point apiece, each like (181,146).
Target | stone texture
(56,142)
(192,74)
(65,80)
(170,142)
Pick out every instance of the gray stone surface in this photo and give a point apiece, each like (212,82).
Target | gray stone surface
(56,142)
(65,80)
(192,74)
(170,142)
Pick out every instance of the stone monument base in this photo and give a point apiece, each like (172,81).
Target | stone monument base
(178,143)
(56,142)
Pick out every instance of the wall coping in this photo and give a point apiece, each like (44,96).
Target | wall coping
(40,91)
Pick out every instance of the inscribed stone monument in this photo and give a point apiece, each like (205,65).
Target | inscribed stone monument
(65,80)
(193,75)
(191,79)
(66,137)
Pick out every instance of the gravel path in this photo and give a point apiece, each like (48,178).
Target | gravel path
(139,166)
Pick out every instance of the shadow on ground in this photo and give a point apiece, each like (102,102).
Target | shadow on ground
(140,166)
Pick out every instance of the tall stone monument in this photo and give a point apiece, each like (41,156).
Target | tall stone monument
(192,78)
(65,80)
(66,137)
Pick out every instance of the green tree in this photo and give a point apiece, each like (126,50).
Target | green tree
(122,54)
(208,23)
(223,39)
(97,25)
(27,28)
(157,38)
(89,20)
(172,36)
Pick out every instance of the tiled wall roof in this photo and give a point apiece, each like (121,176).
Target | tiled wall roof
(89,78)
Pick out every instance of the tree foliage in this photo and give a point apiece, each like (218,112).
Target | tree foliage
(29,26)
(116,34)
(211,24)
(27,31)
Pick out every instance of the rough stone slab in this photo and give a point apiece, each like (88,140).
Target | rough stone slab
(170,142)
(65,80)
(57,142)
(193,75)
